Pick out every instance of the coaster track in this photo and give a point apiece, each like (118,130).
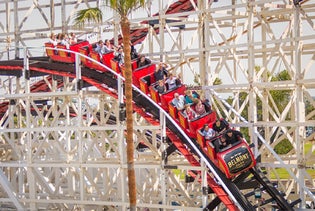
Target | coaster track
(224,188)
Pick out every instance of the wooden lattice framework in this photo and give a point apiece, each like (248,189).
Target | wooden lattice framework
(240,42)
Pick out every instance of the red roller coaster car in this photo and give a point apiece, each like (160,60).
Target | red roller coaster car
(58,53)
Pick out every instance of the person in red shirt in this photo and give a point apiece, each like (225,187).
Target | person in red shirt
(189,113)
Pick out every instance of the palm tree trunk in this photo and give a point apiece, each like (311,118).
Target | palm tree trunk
(125,27)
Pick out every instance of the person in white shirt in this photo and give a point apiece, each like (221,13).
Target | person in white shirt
(207,132)
(108,46)
(73,38)
(64,40)
(178,101)
(53,39)
(100,48)
(171,81)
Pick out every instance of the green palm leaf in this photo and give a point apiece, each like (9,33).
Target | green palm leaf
(91,15)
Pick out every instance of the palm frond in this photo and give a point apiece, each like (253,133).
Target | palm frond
(124,7)
(90,15)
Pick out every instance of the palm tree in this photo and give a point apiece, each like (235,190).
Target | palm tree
(123,8)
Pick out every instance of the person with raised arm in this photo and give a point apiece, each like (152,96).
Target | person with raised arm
(160,72)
